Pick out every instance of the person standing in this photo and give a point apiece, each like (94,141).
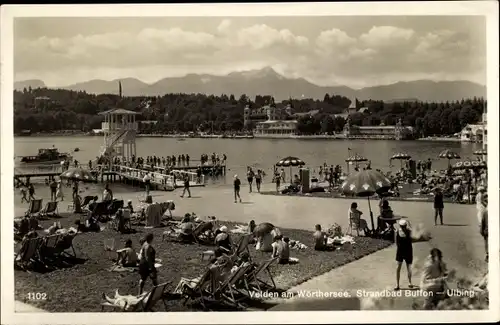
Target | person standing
(277,180)
(250,175)
(237,186)
(258,179)
(147,183)
(186,186)
(31,192)
(53,190)
(404,251)
(147,268)
(483,229)
(59,192)
(438,205)
(480,202)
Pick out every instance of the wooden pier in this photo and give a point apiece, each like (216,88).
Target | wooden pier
(117,173)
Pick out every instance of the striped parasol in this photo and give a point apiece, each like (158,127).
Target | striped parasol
(448,154)
(401,156)
(468,164)
(78,174)
(480,152)
(356,158)
(290,161)
(366,183)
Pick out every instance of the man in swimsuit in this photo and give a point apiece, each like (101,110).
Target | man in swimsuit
(404,251)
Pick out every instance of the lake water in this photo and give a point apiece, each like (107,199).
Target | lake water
(259,153)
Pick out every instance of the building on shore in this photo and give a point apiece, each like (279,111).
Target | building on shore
(476,132)
(253,116)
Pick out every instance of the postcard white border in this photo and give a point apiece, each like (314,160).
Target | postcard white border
(489,9)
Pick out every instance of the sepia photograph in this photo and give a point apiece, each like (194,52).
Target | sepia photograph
(260,160)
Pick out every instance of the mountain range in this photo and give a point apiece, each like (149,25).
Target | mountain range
(268,82)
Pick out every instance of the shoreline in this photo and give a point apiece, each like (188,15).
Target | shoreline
(246,137)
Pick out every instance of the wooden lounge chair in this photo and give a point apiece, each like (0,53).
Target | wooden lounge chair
(48,247)
(243,244)
(65,243)
(34,208)
(232,286)
(50,210)
(147,303)
(71,206)
(86,201)
(28,253)
(255,280)
(191,289)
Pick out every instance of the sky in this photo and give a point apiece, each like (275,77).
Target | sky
(356,51)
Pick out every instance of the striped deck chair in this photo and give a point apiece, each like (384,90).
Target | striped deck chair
(243,244)
(65,243)
(28,253)
(232,286)
(48,247)
(196,288)
(34,208)
(255,280)
(50,210)
(146,303)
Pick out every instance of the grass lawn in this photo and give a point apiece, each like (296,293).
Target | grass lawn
(79,288)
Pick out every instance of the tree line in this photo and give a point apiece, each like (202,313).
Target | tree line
(52,110)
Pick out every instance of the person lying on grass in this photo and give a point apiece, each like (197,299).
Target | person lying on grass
(127,257)
(127,302)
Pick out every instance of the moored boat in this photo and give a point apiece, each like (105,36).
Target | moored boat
(46,156)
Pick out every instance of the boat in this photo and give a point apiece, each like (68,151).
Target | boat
(46,156)
(76,149)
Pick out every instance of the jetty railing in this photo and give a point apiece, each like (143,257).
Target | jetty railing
(157,178)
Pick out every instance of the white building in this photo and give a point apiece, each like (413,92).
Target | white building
(474,133)
(276,128)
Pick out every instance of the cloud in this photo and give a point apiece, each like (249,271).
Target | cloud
(330,56)
(224,26)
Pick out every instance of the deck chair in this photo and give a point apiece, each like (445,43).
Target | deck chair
(115,206)
(198,233)
(100,209)
(34,208)
(64,244)
(86,201)
(232,286)
(355,224)
(147,302)
(50,210)
(254,279)
(48,247)
(28,253)
(243,244)
(190,289)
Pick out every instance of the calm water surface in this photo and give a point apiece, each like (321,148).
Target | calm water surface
(259,153)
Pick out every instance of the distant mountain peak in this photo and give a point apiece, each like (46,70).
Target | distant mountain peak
(258,73)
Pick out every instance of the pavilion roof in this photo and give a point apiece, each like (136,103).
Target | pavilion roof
(118,111)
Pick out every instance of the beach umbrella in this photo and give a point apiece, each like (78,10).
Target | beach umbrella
(355,159)
(448,154)
(366,183)
(290,162)
(401,156)
(467,164)
(78,174)
(481,152)
(263,229)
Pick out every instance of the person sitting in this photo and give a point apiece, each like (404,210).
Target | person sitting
(355,218)
(223,240)
(23,227)
(54,228)
(130,206)
(281,249)
(186,229)
(251,226)
(127,257)
(320,239)
(92,223)
(80,227)
(385,213)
